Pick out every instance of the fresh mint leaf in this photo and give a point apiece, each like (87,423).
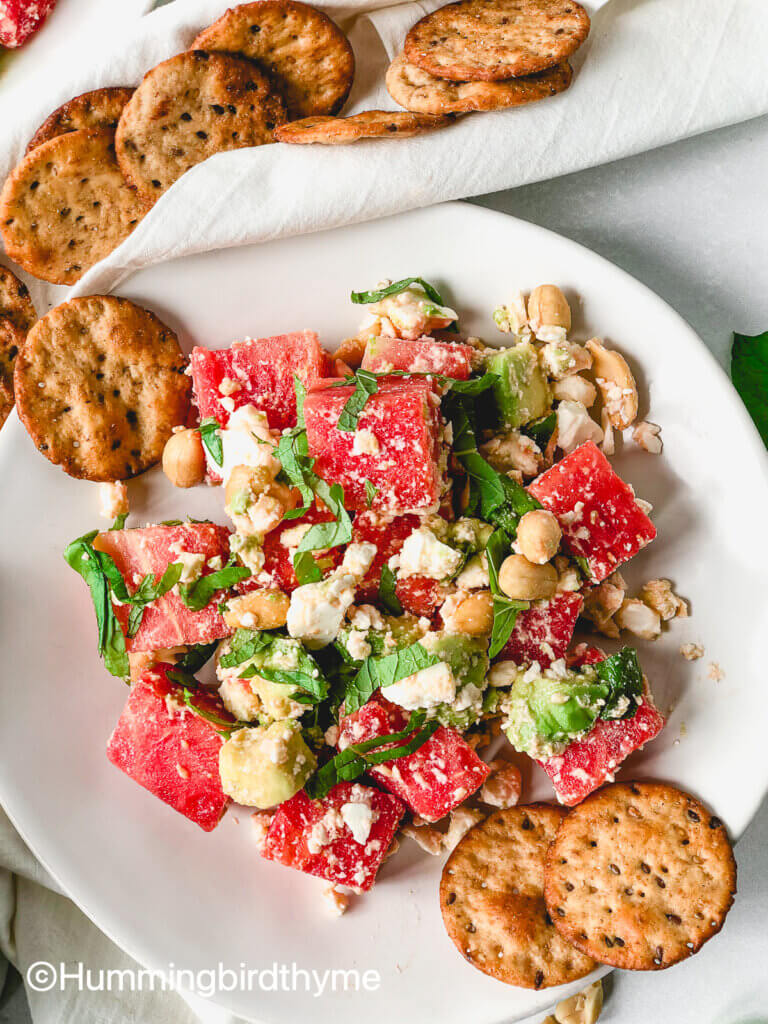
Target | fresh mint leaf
(472,387)
(371,490)
(198,595)
(541,430)
(366,298)
(323,535)
(388,591)
(749,373)
(243,645)
(306,568)
(193,659)
(149,591)
(211,437)
(366,385)
(81,556)
(624,676)
(505,609)
(378,673)
(306,675)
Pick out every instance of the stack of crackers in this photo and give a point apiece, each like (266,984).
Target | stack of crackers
(638,876)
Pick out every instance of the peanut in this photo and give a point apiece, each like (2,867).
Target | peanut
(548,307)
(352,350)
(524,581)
(616,383)
(474,615)
(538,536)
(184,458)
(260,609)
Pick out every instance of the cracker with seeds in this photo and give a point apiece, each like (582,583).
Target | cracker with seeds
(490,40)
(371,124)
(15,303)
(100,384)
(304,52)
(67,206)
(417,90)
(640,875)
(100,108)
(11,340)
(189,108)
(492,901)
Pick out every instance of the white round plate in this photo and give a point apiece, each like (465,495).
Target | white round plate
(167,892)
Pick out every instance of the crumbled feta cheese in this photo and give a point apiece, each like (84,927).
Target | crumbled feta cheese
(424,689)
(423,554)
(113,499)
(238,697)
(513,451)
(317,610)
(357,645)
(192,562)
(503,673)
(358,559)
(474,575)
(575,389)
(247,441)
(365,442)
(332,735)
(575,426)
(366,617)
(265,513)
(336,901)
(358,817)
(411,312)
(261,820)
(229,386)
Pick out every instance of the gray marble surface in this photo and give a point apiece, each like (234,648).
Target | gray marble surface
(690,221)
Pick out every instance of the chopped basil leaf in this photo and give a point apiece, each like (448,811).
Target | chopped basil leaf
(119,523)
(81,556)
(199,594)
(366,385)
(365,298)
(382,672)
(388,592)
(306,676)
(749,373)
(291,452)
(352,762)
(211,437)
(371,490)
(624,676)
(228,726)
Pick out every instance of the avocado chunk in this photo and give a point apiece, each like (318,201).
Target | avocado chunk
(262,767)
(522,392)
(467,657)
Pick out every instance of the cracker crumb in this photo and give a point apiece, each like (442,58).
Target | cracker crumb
(692,652)
(715,672)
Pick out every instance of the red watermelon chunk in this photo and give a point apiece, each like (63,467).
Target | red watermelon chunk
(169,750)
(388,534)
(167,622)
(20,19)
(262,370)
(383,354)
(277,555)
(403,418)
(587,763)
(597,511)
(420,595)
(313,836)
(433,780)
(584,654)
(543,632)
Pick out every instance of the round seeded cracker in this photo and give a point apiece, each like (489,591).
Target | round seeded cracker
(492,901)
(100,384)
(417,90)
(100,108)
(11,340)
(370,124)
(306,54)
(489,40)
(15,302)
(189,108)
(640,875)
(66,206)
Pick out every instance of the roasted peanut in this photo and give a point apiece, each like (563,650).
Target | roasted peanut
(538,536)
(184,458)
(524,581)
(616,383)
(260,609)
(548,307)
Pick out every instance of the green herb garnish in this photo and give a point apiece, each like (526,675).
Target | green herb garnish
(98,570)
(383,672)
(198,595)
(388,591)
(211,437)
(148,591)
(749,373)
(366,385)
(505,609)
(371,490)
(366,298)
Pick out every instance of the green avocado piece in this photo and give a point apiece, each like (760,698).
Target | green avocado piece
(262,767)
(399,631)
(522,392)
(467,655)
(545,714)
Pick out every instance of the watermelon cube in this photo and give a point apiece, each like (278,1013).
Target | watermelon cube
(597,511)
(397,445)
(383,354)
(167,622)
(543,632)
(589,762)
(169,750)
(421,595)
(433,780)
(257,372)
(20,19)
(388,534)
(342,838)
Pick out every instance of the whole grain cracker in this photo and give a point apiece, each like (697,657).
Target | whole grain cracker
(15,303)
(187,109)
(492,901)
(370,124)
(11,339)
(640,875)
(418,90)
(66,206)
(100,384)
(306,54)
(100,108)
(489,40)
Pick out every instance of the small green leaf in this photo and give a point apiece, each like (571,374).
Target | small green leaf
(383,672)
(306,568)
(366,298)
(749,373)
(541,430)
(149,591)
(366,385)
(243,645)
(210,434)
(119,523)
(388,591)
(370,492)
(624,676)
(505,609)
(301,394)
(199,594)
